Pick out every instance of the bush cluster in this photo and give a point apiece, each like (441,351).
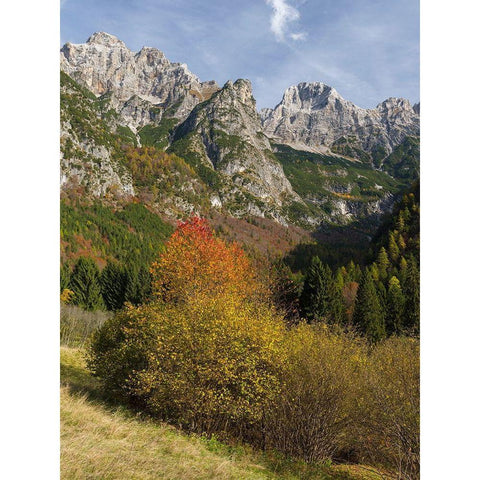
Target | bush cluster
(212,357)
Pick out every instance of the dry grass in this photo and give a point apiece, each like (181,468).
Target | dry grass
(76,324)
(103,443)
(98,444)
(100,441)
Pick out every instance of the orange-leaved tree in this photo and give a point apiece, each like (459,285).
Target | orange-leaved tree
(196,263)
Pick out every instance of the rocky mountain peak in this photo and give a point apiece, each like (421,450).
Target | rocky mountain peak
(314,116)
(312,95)
(393,103)
(152,56)
(105,39)
(239,91)
(105,65)
(226,132)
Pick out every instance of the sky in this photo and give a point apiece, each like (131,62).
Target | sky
(368,50)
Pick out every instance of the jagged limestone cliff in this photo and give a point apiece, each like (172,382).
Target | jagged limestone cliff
(313,116)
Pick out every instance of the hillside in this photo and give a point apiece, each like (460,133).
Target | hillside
(101,440)
(135,126)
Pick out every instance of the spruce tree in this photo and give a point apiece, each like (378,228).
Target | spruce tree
(138,284)
(85,283)
(144,281)
(350,270)
(368,314)
(400,223)
(383,263)
(393,250)
(65,275)
(337,314)
(412,296)
(403,272)
(132,288)
(395,307)
(315,297)
(113,281)
(375,272)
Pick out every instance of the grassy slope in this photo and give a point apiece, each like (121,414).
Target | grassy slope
(313,174)
(107,442)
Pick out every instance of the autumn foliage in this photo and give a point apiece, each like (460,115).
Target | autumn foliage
(210,353)
(206,353)
(197,264)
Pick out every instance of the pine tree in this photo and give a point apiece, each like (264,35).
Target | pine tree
(65,275)
(337,314)
(375,272)
(393,250)
(350,270)
(144,281)
(358,273)
(403,272)
(85,283)
(315,297)
(132,293)
(368,314)
(395,306)
(400,223)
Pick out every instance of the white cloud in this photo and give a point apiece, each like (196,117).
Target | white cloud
(283,13)
(298,36)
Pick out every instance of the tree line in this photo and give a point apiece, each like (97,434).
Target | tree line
(379,299)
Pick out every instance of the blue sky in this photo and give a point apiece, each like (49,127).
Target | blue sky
(367,49)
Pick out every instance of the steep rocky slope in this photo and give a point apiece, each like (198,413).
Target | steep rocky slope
(313,116)
(89,150)
(225,134)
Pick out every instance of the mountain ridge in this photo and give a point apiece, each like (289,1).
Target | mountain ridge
(349,162)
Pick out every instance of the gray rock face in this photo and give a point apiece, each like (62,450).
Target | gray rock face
(314,116)
(86,160)
(105,65)
(227,133)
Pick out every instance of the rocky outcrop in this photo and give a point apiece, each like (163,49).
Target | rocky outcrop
(227,133)
(313,116)
(87,154)
(105,65)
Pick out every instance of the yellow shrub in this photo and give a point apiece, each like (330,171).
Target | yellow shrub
(388,426)
(211,365)
(319,379)
(66,296)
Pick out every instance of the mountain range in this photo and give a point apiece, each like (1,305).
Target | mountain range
(135,125)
